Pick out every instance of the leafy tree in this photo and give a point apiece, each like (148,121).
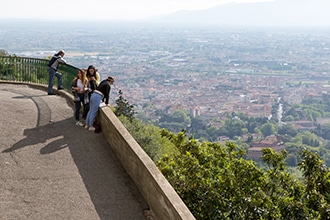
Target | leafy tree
(213,133)
(149,138)
(3,52)
(288,118)
(180,117)
(216,182)
(307,138)
(196,124)
(172,126)
(124,108)
(251,125)
(268,129)
(212,179)
(324,131)
(176,121)
(287,129)
(317,178)
(292,160)
(7,70)
(234,127)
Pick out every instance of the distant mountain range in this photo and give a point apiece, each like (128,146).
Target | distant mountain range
(272,13)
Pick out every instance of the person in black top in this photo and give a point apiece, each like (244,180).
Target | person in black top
(93,77)
(100,94)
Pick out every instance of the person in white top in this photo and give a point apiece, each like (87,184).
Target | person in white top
(80,90)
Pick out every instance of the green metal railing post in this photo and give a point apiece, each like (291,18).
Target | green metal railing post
(33,70)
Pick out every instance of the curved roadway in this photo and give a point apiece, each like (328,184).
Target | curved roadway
(52,169)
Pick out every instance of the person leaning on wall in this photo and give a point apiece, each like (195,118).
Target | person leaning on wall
(53,64)
(100,94)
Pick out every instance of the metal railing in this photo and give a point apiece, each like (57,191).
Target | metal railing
(33,70)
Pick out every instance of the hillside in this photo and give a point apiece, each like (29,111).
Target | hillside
(272,13)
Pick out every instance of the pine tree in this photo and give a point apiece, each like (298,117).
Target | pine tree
(124,108)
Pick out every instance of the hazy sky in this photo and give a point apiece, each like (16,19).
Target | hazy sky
(101,9)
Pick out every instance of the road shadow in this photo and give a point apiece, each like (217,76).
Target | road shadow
(111,190)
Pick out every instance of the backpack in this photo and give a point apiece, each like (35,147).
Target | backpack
(50,63)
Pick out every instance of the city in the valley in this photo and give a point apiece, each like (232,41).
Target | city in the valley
(206,71)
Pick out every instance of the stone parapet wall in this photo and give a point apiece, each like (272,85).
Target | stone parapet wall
(164,202)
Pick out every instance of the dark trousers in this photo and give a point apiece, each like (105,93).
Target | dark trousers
(78,107)
(51,74)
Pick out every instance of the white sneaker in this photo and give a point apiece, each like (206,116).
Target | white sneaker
(86,126)
(78,123)
(91,128)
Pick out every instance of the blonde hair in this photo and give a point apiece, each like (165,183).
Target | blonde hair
(83,79)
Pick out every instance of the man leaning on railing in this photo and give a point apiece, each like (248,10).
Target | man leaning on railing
(52,70)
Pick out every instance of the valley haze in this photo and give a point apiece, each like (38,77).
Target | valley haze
(201,12)
(271,13)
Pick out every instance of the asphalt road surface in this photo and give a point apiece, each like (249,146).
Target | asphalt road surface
(52,169)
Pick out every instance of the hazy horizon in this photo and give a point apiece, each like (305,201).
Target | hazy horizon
(201,12)
(103,9)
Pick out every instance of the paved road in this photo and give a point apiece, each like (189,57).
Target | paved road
(52,169)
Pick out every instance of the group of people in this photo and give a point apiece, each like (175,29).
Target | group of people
(88,91)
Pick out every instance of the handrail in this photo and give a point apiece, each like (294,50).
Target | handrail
(33,70)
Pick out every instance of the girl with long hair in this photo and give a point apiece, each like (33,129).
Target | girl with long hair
(80,90)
